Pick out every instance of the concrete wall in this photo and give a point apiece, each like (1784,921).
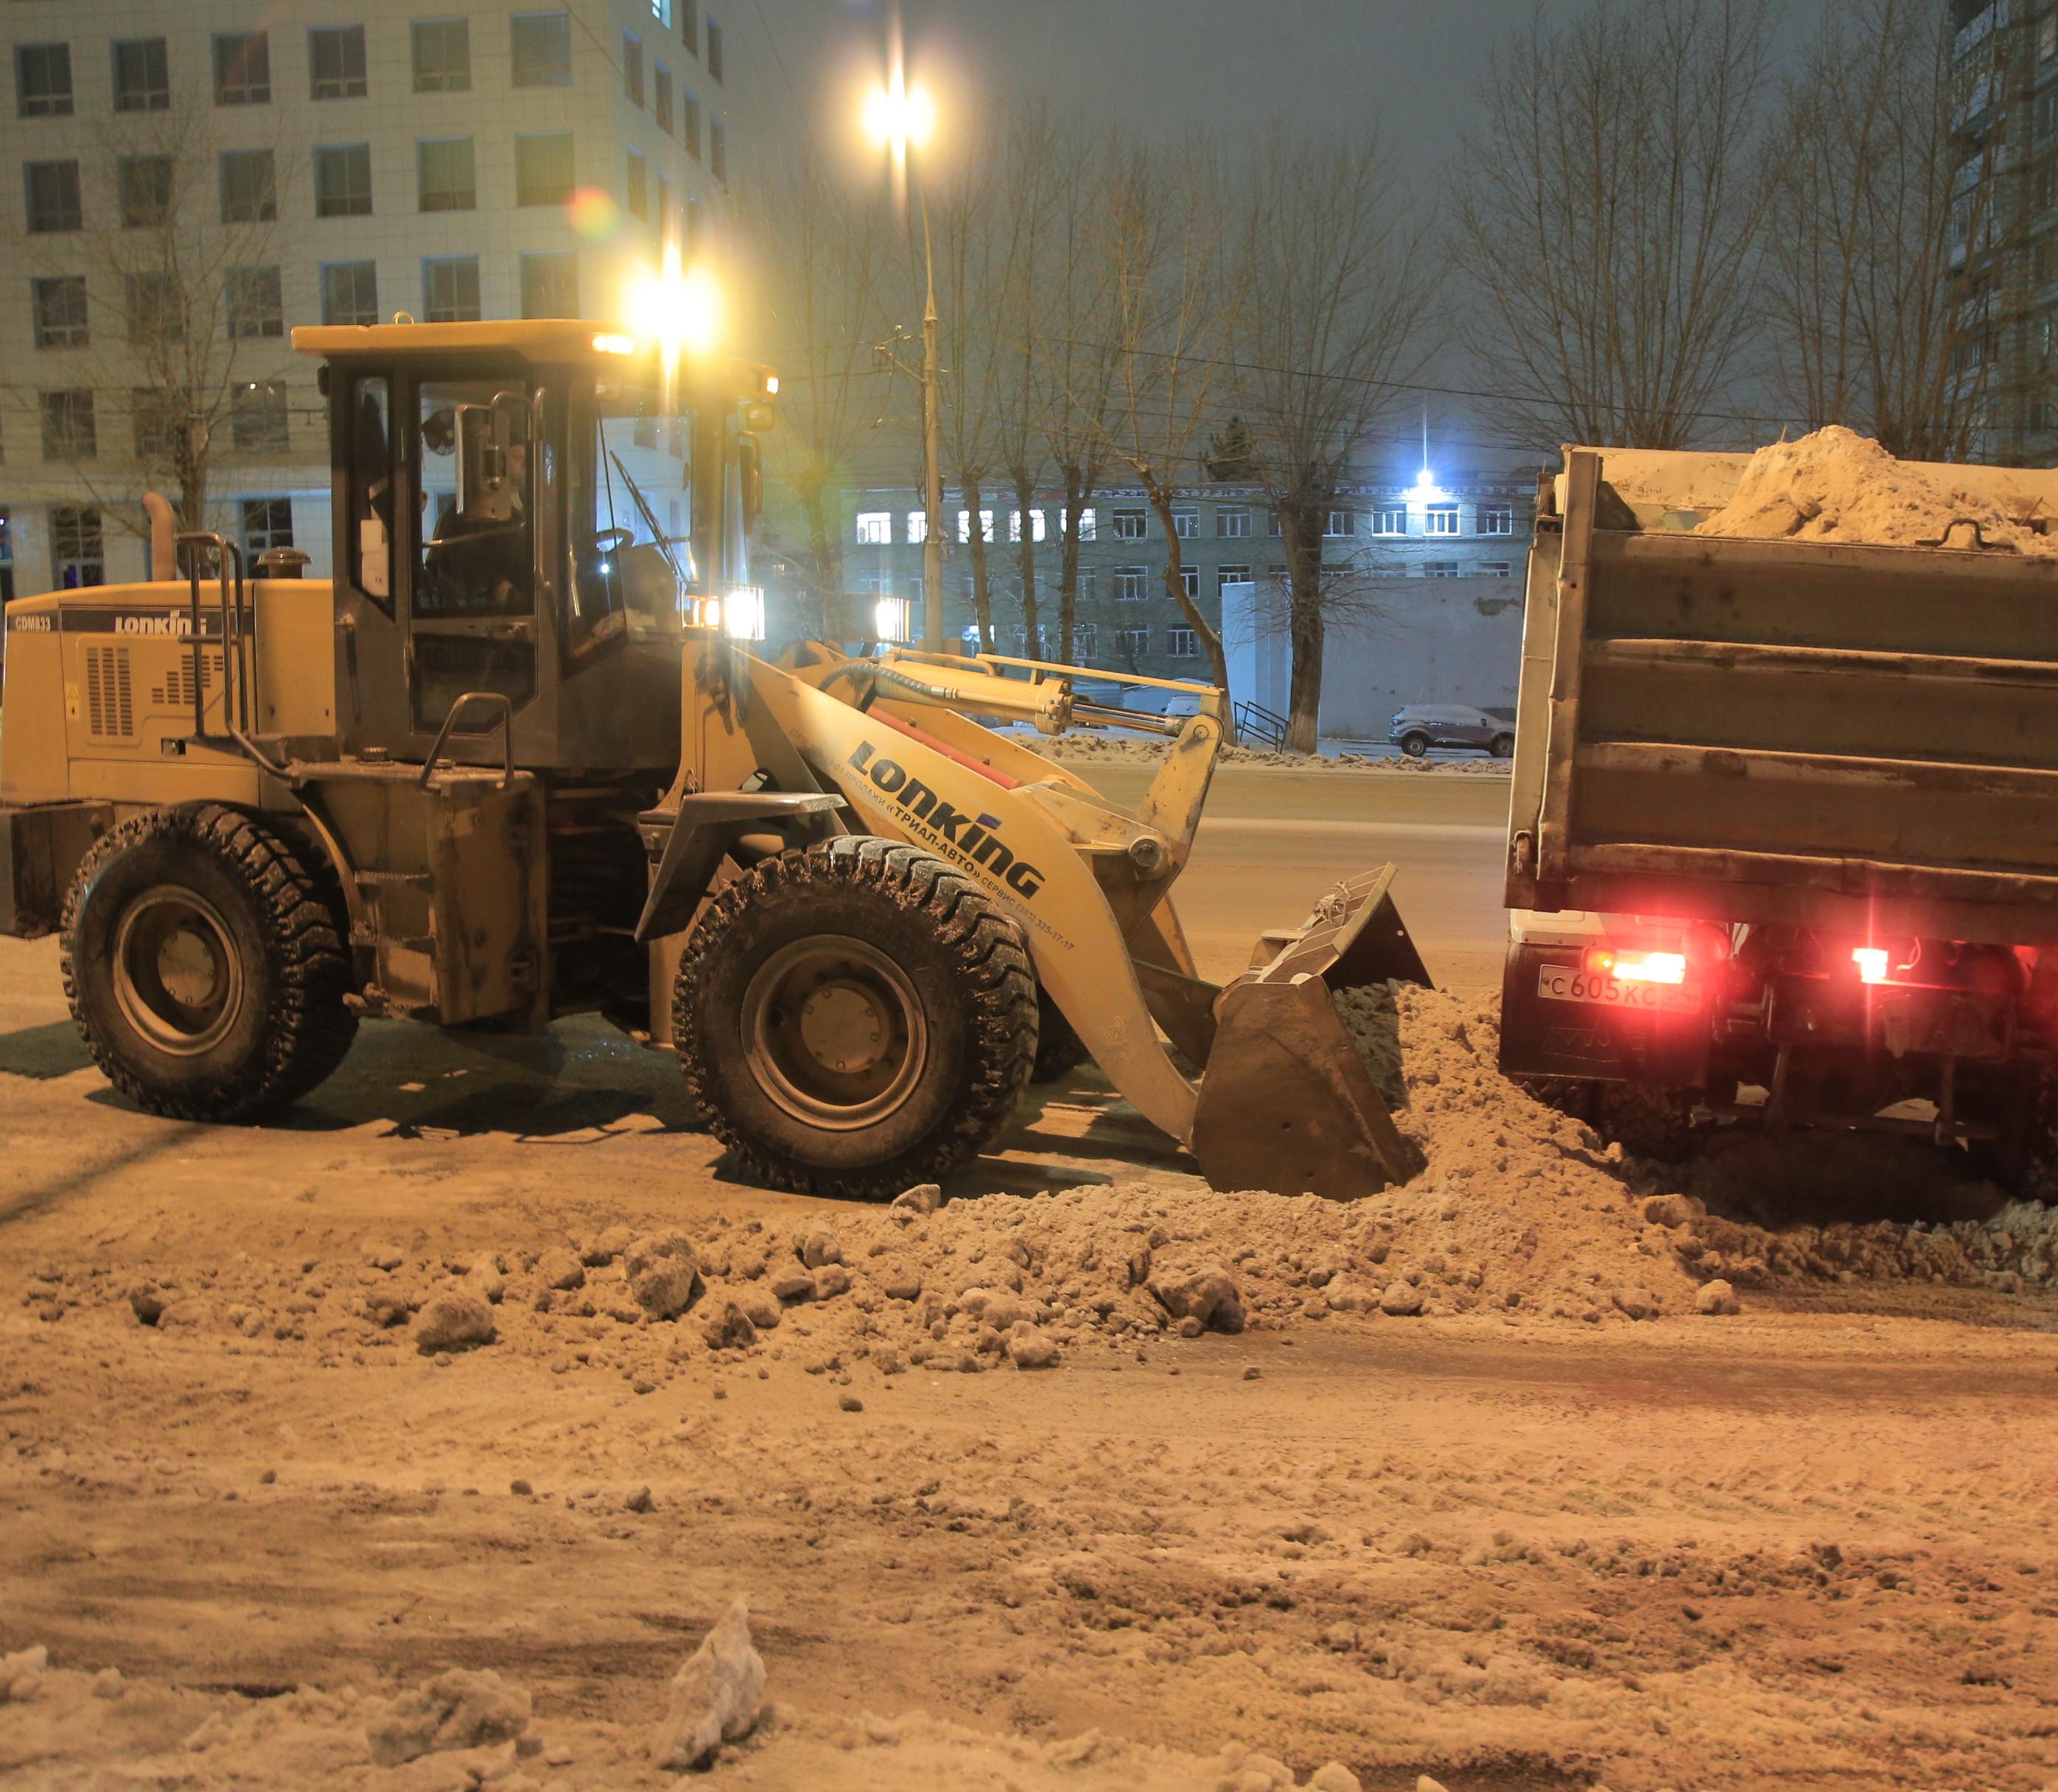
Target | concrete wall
(1432,641)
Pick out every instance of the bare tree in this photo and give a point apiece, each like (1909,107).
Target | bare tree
(184,304)
(1032,150)
(1609,216)
(1076,359)
(1342,277)
(1175,299)
(826,253)
(1863,307)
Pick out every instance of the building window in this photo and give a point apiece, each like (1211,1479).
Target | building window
(155,311)
(661,11)
(350,292)
(661,96)
(1131,584)
(69,433)
(1087,583)
(632,67)
(42,79)
(542,44)
(689,122)
(449,289)
(77,555)
(52,192)
(918,528)
(1440,519)
(1496,519)
(1273,526)
(143,184)
(1035,526)
(639,190)
(1495,569)
(543,169)
(151,411)
(1181,644)
(874,528)
(59,311)
(343,180)
(1132,641)
(985,526)
(549,283)
(1189,582)
(1232,524)
(142,75)
(335,63)
(1441,569)
(1340,522)
(1227,576)
(1086,525)
(257,416)
(1389,519)
(441,49)
(242,68)
(1086,641)
(1185,522)
(249,187)
(713,48)
(257,304)
(693,222)
(1128,526)
(267,523)
(717,150)
(446,178)
(689,24)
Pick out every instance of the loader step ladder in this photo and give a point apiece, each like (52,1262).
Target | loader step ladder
(238,626)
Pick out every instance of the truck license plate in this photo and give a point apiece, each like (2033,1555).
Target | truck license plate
(1567,983)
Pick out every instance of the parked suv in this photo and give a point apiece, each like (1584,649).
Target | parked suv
(1421,726)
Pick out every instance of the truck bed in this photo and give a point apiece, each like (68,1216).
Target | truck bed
(1783,732)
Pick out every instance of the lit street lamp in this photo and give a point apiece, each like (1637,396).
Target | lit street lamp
(900,119)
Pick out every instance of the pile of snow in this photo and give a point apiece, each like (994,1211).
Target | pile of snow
(1836,485)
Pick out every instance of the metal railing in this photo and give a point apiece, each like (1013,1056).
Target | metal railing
(239,644)
(1254,722)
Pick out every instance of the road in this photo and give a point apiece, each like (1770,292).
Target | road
(1274,841)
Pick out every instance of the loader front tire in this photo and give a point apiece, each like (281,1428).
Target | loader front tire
(205,965)
(1059,1049)
(854,1018)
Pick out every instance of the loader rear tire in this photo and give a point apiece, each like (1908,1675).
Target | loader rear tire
(854,1018)
(206,966)
(1059,1049)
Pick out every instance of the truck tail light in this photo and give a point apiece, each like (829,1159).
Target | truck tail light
(1637,967)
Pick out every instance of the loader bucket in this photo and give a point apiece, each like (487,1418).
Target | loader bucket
(1286,1103)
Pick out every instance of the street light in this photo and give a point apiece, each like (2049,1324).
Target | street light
(900,119)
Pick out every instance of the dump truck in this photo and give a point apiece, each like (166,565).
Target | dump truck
(522,756)
(1782,841)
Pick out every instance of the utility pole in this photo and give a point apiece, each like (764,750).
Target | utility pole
(932,457)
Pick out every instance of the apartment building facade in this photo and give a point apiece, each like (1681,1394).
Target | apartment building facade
(1464,526)
(195,179)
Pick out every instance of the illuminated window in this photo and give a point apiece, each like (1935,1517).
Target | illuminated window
(985,526)
(1086,530)
(874,528)
(1035,526)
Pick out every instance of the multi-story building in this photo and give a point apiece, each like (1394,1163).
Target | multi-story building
(196,177)
(1470,526)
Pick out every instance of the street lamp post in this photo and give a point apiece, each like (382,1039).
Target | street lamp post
(900,118)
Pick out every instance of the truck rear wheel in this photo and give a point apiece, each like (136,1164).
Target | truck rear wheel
(205,965)
(854,1018)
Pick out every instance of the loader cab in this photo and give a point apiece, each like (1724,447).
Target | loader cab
(533,512)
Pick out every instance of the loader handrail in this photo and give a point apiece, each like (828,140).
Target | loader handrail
(450,721)
(238,679)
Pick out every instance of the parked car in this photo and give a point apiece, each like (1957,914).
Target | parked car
(1418,727)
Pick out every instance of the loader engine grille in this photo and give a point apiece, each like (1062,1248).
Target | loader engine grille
(110,706)
(176,691)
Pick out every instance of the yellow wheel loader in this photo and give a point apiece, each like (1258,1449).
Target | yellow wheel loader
(521,758)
